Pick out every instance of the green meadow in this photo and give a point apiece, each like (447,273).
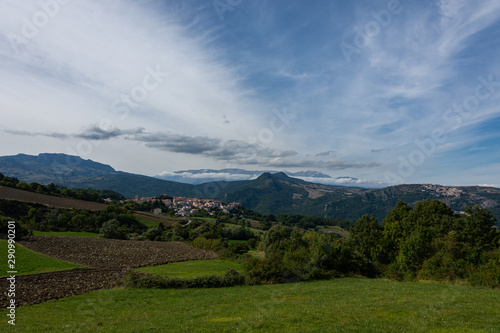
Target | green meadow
(66,234)
(339,305)
(191,269)
(31,262)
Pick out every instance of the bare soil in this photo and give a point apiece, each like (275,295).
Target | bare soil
(38,288)
(10,193)
(114,254)
(110,260)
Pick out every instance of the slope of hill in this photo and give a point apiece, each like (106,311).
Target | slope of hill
(200,176)
(10,193)
(75,172)
(269,193)
(51,168)
(278,193)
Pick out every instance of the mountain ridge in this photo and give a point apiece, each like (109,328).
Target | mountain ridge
(275,193)
(199,176)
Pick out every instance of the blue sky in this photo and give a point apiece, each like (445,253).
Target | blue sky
(386,92)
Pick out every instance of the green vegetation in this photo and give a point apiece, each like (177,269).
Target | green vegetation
(66,234)
(340,305)
(31,262)
(431,242)
(191,269)
(244,217)
(42,218)
(335,229)
(147,222)
(254,230)
(20,229)
(428,242)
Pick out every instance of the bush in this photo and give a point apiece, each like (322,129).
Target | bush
(216,245)
(237,232)
(21,230)
(262,271)
(111,229)
(154,233)
(230,279)
(238,248)
(252,243)
(276,238)
(487,275)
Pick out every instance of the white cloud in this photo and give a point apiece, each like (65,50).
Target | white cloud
(222,79)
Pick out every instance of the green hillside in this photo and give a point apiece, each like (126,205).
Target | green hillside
(340,305)
(268,194)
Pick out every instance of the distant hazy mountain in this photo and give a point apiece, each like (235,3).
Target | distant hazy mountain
(73,171)
(275,193)
(210,175)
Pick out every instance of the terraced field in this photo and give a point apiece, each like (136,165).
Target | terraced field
(109,260)
(114,254)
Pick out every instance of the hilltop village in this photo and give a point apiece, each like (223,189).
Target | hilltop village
(186,207)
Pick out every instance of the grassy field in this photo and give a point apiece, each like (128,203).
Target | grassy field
(255,231)
(212,220)
(335,229)
(147,222)
(31,262)
(66,234)
(191,269)
(341,305)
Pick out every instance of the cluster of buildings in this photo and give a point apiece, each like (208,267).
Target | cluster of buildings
(186,207)
(444,190)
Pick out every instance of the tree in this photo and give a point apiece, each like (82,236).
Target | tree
(111,229)
(238,248)
(477,230)
(366,238)
(154,233)
(414,250)
(276,238)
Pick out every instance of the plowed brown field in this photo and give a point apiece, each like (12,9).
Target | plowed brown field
(114,254)
(110,258)
(10,193)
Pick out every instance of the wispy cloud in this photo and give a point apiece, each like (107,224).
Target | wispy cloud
(220,81)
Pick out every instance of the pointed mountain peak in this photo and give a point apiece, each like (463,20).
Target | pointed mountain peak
(264,176)
(280,175)
(269,175)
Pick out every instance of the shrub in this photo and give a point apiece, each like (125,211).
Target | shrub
(230,279)
(154,233)
(238,248)
(111,229)
(252,243)
(487,275)
(262,271)
(216,245)
(21,230)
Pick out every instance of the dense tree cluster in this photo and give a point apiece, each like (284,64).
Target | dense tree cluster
(241,214)
(429,242)
(42,218)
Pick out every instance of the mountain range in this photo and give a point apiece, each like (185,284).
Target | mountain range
(269,193)
(200,176)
